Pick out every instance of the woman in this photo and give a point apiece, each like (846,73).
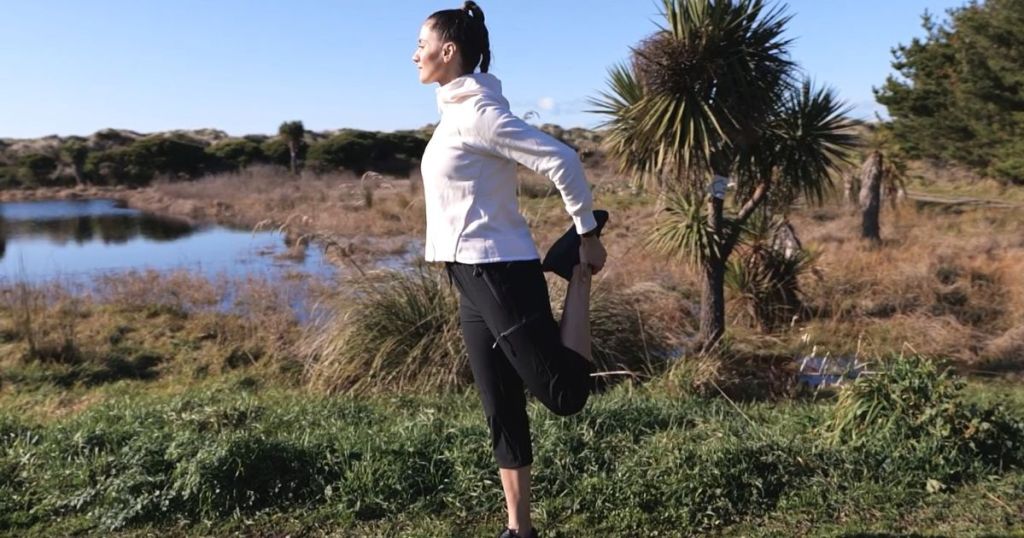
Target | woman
(474,226)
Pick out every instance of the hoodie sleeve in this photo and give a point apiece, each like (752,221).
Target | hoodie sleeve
(499,132)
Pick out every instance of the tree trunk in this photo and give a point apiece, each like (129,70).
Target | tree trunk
(712,304)
(870,196)
(292,152)
(851,186)
(712,297)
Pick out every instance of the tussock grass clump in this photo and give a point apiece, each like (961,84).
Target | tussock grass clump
(400,330)
(394,330)
(738,374)
(1004,353)
(908,422)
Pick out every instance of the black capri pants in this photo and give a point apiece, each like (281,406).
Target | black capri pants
(513,339)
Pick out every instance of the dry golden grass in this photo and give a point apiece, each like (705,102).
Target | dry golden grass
(142,326)
(948,281)
(951,180)
(332,203)
(943,283)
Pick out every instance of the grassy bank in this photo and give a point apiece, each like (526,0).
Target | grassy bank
(61,344)
(150,406)
(234,455)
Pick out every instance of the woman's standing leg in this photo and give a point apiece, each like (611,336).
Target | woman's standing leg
(504,403)
(511,301)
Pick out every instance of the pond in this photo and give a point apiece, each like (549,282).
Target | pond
(77,240)
(79,243)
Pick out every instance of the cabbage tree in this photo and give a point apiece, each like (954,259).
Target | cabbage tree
(711,98)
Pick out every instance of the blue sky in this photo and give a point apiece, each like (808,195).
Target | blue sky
(244,66)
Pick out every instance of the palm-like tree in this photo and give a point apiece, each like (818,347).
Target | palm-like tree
(292,133)
(712,93)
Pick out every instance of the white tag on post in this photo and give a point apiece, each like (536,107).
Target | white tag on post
(718,186)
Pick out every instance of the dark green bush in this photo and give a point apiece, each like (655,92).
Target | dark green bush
(236,153)
(140,162)
(172,156)
(36,168)
(360,151)
(275,151)
(9,177)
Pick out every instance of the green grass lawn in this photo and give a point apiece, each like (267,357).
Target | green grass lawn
(233,455)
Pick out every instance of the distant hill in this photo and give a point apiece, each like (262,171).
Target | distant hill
(126,157)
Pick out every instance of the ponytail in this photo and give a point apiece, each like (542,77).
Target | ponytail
(465,27)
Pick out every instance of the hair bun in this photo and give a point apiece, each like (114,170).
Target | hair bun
(474,10)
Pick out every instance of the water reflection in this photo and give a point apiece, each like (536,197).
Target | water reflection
(108,229)
(78,238)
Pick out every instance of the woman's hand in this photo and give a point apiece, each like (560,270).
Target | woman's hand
(592,253)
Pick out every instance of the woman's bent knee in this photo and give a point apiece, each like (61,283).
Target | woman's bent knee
(570,407)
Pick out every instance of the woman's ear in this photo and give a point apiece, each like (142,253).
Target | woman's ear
(448,52)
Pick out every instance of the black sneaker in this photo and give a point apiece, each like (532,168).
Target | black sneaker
(509,533)
(565,253)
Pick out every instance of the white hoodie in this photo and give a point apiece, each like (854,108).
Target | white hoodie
(469,176)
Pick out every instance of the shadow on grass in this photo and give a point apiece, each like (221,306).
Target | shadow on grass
(86,372)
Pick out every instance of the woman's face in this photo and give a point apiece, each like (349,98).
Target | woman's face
(435,60)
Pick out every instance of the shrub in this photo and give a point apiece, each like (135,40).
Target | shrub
(236,153)
(275,151)
(360,151)
(909,423)
(36,169)
(174,156)
(140,162)
(9,177)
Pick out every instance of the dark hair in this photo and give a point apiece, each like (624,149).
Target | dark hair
(465,27)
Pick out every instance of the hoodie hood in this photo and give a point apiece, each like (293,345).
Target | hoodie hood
(470,85)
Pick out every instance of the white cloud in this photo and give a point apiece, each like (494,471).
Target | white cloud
(546,103)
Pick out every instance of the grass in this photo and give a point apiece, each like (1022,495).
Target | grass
(166,405)
(59,344)
(228,456)
(341,204)
(399,331)
(955,182)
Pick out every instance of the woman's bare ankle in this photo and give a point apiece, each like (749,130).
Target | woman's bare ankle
(523,529)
